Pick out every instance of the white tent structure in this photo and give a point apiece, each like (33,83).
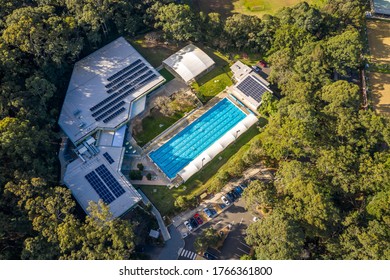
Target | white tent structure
(189,63)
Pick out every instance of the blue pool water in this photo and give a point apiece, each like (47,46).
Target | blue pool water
(179,151)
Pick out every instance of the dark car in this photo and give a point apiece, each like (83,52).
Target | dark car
(230,196)
(193,223)
(198,219)
(236,192)
(243,186)
(233,194)
(209,256)
(210,212)
(239,189)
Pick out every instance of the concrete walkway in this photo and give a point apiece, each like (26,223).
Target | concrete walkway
(156,213)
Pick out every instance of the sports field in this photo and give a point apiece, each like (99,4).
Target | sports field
(380,88)
(379,41)
(249,7)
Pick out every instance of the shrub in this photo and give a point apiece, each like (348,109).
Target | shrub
(149,176)
(140,166)
(135,175)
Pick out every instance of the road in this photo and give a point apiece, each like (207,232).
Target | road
(234,246)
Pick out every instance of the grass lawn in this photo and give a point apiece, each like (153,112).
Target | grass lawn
(164,198)
(166,74)
(212,83)
(249,7)
(154,53)
(151,126)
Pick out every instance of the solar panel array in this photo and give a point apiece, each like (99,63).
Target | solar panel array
(128,78)
(105,114)
(122,84)
(99,187)
(126,74)
(250,87)
(110,180)
(114,115)
(108,158)
(110,189)
(117,74)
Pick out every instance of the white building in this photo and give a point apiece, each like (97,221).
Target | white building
(249,87)
(189,63)
(107,89)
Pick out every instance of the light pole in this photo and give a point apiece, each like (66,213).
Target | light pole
(237,134)
(202,162)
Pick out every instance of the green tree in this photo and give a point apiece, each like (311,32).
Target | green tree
(40,32)
(177,21)
(344,51)
(260,196)
(277,237)
(208,238)
(102,237)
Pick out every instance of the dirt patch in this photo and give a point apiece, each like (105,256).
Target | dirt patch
(380,86)
(379,40)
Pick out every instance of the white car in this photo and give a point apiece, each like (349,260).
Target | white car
(225,200)
(188,226)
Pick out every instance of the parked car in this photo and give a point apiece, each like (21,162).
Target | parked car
(234,195)
(239,189)
(210,212)
(188,226)
(225,200)
(262,63)
(198,219)
(236,192)
(209,256)
(230,196)
(256,69)
(193,223)
(243,186)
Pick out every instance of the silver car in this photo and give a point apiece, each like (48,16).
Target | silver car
(225,200)
(188,225)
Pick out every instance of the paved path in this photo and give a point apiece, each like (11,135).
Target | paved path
(172,246)
(163,228)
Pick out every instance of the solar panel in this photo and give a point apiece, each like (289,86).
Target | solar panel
(250,87)
(127,77)
(117,74)
(124,75)
(101,110)
(108,158)
(106,113)
(110,180)
(134,82)
(114,115)
(99,187)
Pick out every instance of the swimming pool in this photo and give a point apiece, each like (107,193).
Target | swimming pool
(183,148)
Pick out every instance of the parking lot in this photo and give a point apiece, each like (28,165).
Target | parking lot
(234,245)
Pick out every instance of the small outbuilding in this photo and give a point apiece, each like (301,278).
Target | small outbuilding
(189,63)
